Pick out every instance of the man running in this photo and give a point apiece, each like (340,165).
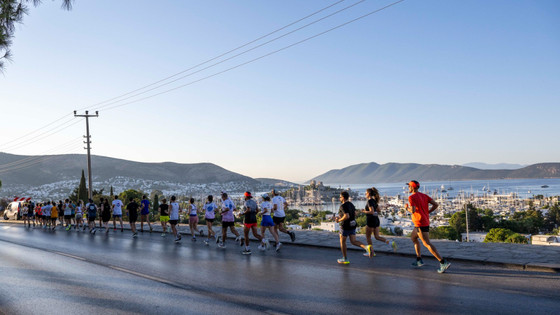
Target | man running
(418,206)
(174,218)
(278,206)
(117,212)
(250,223)
(145,213)
(163,216)
(132,213)
(228,220)
(347,216)
(91,209)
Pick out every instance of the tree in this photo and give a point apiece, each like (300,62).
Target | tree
(444,232)
(82,189)
(498,235)
(517,239)
(131,193)
(12,12)
(458,221)
(112,192)
(552,219)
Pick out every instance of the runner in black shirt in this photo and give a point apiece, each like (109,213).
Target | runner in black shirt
(132,212)
(347,216)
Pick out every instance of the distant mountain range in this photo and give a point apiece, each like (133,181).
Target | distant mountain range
(366,173)
(498,166)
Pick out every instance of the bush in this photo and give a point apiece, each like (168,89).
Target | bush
(444,232)
(498,235)
(517,239)
(385,231)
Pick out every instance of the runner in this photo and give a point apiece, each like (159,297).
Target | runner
(117,212)
(145,214)
(347,216)
(38,215)
(31,213)
(54,215)
(25,214)
(72,212)
(91,210)
(267,223)
(193,220)
(250,223)
(174,219)
(67,214)
(60,210)
(132,213)
(209,216)
(228,220)
(419,206)
(46,214)
(164,216)
(278,205)
(372,216)
(79,214)
(105,213)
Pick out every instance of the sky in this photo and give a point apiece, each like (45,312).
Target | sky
(431,82)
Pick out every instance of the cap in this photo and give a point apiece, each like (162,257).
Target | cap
(248,194)
(265,195)
(414,184)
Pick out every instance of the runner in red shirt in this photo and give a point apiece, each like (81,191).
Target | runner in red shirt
(419,205)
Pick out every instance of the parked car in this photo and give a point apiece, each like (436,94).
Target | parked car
(12,211)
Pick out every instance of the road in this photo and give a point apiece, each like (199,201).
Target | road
(77,273)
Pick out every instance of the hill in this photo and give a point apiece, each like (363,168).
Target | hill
(394,172)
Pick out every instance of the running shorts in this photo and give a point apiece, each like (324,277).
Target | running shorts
(348,232)
(173,222)
(250,225)
(424,229)
(91,219)
(267,221)
(225,224)
(117,215)
(372,221)
(278,220)
(209,220)
(193,219)
(67,216)
(133,218)
(164,218)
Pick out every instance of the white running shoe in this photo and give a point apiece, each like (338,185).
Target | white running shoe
(278,246)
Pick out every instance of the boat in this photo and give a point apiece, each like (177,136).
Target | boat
(544,186)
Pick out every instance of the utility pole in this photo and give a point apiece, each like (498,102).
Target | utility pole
(467,220)
(88,148)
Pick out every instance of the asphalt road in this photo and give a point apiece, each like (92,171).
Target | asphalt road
(77,273)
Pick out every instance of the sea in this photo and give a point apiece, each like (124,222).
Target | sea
(523,188)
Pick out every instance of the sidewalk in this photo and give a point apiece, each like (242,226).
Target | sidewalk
(518,256)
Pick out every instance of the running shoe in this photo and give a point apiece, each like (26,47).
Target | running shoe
(292,236)
(262,247)
(122,230)
(343,261)
(206,243)
(94,230)
(266,243)
(394,245)
(278,246)
(163,234)
(221,245)
(418,263)
(443,267)
(151,230)
(240,239)
(84,227)
(246,251)
(134,235)
(218,239)
(177,240)
(193,239)
(201,232)
(68,228)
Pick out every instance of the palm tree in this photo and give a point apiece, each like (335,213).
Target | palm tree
(12,12)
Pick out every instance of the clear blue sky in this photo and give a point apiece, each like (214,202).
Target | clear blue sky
(446,82)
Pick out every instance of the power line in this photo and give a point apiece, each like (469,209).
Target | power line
(34,131)
(32,163)
(44,135)
(219,56)
(31,158)
(258,58)
(234,56)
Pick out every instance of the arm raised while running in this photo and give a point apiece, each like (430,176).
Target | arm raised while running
(434,204)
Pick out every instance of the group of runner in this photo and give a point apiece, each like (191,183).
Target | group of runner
(270,208)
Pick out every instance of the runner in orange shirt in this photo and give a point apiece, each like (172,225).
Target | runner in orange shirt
(418,205)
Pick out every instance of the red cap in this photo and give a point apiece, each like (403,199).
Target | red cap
(414,184)
(247,194)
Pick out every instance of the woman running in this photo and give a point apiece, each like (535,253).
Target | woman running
(174,218)
(105,213)
(372,215)
(54,214)
(267,222)
(228,220)
(145,214)
(91,215)
(80,216)
(193,220)
(163,216)
(250,223)
(209,216)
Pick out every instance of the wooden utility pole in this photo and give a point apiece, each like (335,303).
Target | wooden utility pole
(88,148)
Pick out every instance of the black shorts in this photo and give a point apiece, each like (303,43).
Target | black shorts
(424,229)
(91,219)
(209,220)
(278,220)
(132,219)
(173,222)
(68,217)
(372,221)
(73,215)
(225,224)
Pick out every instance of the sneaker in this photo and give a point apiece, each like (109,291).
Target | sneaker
(177,240)
(246,251)
(218,239)
(394,245)
(206,243)
(163,234)
(68,228)
(134,235)
(201,232)
(443,267)
(122,230)
(262,247)
(292,236)
(93,231)
(240,239)
(221,245)
(151,230)
(179,236)
(266,243)
(370,251)
(278,246)
(418,263)
(343,261)
(367,253)
(193,239)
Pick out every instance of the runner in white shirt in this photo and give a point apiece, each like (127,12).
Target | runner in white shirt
(117,212)
(267,223)
(193,220)
(80,216)
(174,210)
(228,220)
(278,205)
(209,215)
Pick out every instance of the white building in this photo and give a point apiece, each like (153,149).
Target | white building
(328,226)
(477,237)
